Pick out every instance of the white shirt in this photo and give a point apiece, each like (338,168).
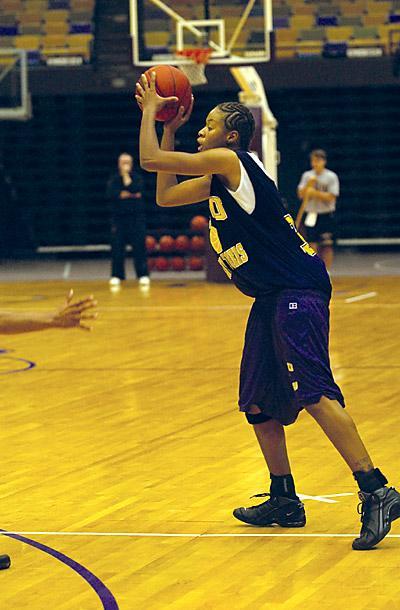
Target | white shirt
(327,182)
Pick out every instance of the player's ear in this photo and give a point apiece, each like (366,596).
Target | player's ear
(233,138)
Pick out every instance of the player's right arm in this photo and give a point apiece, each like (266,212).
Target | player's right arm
(305,184)
(170,193)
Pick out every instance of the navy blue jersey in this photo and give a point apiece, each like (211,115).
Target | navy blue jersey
(260,249)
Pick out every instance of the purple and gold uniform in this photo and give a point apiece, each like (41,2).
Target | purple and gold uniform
(285,364)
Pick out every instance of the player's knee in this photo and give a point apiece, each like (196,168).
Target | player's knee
(256,416)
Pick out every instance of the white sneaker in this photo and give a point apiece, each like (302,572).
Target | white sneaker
(114,281)
(144,280)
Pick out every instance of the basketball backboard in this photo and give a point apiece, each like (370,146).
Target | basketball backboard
(237,32)
(15,102)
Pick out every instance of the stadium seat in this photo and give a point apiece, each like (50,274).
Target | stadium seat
(316,34)
(52,41)
(7,42)
(374,19)
(29,43)
(302,22)
(350,20)
(55,16)
(56,27)
(378,8)
(338,34)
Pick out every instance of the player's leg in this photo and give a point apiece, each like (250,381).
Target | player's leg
(342,432)
(283,506)
(326,230)
(117,249)
(138,242)
(257,382)
(380,504)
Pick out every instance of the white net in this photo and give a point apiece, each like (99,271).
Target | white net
(196,66)
(195,73)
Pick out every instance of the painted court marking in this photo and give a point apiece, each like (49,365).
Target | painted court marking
(361,297)
(325,498)
(175,535)
(104,594)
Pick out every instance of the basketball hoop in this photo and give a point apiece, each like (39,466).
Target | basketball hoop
(195,70)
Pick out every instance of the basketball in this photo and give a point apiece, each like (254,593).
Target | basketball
(171,81)
(182,243)
(196,263)
(198,223)
(162,263)
(167,244)
(197,244)
(178,263)
(151,244)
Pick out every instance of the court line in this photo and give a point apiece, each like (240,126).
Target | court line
(361,297)
(103,592)
(185,535)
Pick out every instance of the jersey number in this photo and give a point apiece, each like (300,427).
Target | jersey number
(217,210)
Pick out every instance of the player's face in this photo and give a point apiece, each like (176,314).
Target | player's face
(125,164)
(318,164)
(213,134)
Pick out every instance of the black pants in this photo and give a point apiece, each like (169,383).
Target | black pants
(128,229)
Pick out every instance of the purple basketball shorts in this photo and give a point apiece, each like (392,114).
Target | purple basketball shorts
(285,364)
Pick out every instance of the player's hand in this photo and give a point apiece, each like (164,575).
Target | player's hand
(125,195)
(76,313)
(147,96)
(180,119)
(311,191)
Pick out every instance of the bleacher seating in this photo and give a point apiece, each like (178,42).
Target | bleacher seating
(48,29)
(308,28)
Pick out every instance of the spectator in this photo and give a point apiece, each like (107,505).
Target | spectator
(128,226)
(318,190)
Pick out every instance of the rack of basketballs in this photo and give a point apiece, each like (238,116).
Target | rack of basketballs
(178,251)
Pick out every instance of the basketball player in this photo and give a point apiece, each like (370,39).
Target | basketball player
(318,189)
(285,364)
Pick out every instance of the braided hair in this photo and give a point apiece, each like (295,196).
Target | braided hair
(239,118)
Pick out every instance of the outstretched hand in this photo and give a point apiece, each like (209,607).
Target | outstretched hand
(147,96)
(76,313)
(180,118)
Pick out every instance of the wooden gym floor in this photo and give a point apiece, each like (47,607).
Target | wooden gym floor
(123,455)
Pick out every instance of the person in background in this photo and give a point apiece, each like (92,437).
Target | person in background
(128,226)
(318,189)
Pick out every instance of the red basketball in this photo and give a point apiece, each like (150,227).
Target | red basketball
(196,263)
(167,244)
(182,243)
(198,223)
(151,244)
(197,244)
(151,263)
(178,263)
(162,263)
(171,81)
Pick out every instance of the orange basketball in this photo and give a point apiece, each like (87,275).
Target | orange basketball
(171,81)
(167,243)
(198,223)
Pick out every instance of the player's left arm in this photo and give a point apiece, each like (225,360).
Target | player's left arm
(169,192)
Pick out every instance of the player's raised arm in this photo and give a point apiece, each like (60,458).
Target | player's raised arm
(220,161)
